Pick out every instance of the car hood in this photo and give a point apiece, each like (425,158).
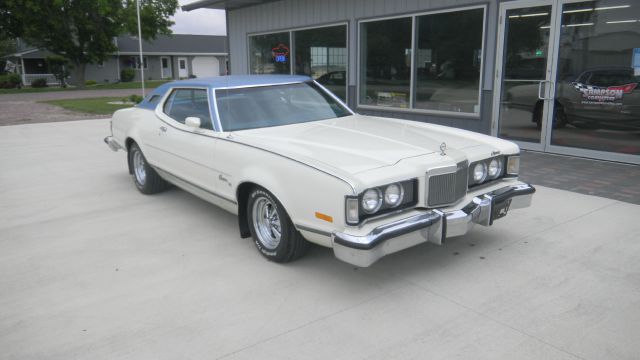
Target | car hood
(357,143)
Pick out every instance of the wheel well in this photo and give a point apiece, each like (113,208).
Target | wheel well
(242,194)
(127,144)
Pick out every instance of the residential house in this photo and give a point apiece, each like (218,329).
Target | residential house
(174,56)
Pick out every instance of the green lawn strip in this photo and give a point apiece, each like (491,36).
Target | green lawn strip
(123,85)
(90,105)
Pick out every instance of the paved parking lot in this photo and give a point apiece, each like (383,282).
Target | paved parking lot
(91,269)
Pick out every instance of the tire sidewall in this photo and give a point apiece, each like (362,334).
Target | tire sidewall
(135,148)
(280,250)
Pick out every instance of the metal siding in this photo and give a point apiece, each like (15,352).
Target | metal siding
(286,14)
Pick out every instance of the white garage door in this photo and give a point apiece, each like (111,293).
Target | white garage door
(204,66)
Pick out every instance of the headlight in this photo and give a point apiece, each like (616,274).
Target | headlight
(393,195)
(380,200)
(371,201)
(495,168)
(513,165)
(479,172)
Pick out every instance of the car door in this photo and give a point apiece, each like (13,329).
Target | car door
(180,150)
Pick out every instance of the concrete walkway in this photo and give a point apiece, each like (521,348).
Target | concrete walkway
(92,269)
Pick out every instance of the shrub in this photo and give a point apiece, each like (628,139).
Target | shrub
(10,81)
(59,67)
(127,75)
(39,83)
(90,82)
(135,98)
(192,76)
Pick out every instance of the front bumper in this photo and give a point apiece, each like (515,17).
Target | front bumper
(431,226)
(112,143)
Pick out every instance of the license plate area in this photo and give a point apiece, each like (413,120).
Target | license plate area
(500,209)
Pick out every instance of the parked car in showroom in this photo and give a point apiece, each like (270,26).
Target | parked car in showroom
(297,165)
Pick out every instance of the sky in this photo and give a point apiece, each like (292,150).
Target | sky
(199,22)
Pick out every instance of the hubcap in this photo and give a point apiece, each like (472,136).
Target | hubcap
(266,223)
(138,168)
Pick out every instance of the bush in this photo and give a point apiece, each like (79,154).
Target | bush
(135,98)
(10,81)
(127,75)
(90,82)
(39,83)
(59,67)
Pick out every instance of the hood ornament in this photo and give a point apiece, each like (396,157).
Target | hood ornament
(443,149)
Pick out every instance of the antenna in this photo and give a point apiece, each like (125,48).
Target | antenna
(140,47)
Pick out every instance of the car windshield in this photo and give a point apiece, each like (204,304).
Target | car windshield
(275,105)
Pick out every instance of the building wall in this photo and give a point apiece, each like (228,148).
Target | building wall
(287,14)
(108,73)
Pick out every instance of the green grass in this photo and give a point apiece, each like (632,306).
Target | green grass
(123,85)
(99,105)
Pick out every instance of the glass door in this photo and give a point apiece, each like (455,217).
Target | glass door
(523,76)
(597,74)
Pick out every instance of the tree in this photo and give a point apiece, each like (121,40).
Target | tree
(83,30)
(59,67)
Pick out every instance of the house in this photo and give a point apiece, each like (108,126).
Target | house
(167,57)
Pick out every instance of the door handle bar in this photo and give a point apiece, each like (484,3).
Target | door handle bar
(540,95)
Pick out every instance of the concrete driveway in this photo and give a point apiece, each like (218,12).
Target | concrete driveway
(92,269)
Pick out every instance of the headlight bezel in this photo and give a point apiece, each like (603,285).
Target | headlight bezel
(503,163)
(409,199)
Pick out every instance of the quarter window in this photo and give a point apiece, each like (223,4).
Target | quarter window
(184,103)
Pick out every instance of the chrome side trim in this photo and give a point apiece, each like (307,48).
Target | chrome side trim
(200,188)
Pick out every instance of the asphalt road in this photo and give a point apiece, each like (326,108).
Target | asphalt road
(92,269)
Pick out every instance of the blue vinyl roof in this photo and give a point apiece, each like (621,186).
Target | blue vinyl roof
(229,81)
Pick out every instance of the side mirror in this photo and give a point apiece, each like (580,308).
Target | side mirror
(193,122)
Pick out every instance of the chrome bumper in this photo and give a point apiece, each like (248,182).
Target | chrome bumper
(111,142)
(431,226)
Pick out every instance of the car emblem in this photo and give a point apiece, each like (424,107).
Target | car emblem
(495,152)
(443,148)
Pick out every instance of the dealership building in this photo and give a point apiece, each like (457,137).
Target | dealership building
(559,76)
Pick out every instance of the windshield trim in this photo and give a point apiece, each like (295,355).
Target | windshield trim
(322,88)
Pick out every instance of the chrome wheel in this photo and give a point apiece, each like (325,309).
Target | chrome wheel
(138,168)
(266,223)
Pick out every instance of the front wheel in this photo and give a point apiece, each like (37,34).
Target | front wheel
(273,232)
(144,176)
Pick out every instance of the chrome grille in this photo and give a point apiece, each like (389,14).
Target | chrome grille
(448,188)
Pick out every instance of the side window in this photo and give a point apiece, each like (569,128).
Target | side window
(184,103)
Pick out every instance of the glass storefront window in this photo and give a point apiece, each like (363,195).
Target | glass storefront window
(448,59)
(322,54)
(385,62)
(597,102)
(269,54)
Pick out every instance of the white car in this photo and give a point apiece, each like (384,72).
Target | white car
(297,165)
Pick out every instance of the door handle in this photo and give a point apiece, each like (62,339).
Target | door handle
(540,95)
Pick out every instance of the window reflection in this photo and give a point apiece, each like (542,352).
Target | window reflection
(385,63)
(597,97)
(269,54)
(448,61)
(322,54)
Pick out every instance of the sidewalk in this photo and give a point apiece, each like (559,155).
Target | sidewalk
(585,176)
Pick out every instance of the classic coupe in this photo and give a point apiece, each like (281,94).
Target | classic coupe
(297,165)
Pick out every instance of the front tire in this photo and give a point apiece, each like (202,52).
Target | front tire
(273,232)
(145,178)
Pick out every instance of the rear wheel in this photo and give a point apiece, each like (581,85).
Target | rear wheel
(273,232)
(144,176)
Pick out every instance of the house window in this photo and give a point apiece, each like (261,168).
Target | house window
(100,64)
(270,54)
(437,69)
(134,62)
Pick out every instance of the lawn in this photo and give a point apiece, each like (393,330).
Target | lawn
(90,105)
(123,85)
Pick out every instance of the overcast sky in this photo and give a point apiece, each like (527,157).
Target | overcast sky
(199,22)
